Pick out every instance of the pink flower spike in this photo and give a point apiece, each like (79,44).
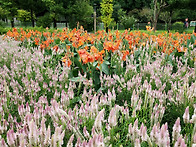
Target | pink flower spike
(186,115)
(137,143)
(86,134)
(3,144)
(176,130)
(11,136)
(70,142)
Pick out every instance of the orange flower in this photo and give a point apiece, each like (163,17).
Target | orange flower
(36,41)
(67,62)
(125,53)
(42,46)
(55,48)
(93,49)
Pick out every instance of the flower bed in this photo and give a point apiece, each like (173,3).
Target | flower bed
(72,88)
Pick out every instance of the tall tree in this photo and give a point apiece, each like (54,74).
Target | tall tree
(32,6)
(80,12)
(158,6)
(106,11)
(55,8)
(11,7)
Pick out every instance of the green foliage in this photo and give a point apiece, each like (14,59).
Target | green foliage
(4,30)
(118,13)
(146,14)
(128,21)
(106,11)
(44,21)
(3,13)
(24,15)
(178,26)
(54,7)
(80,12)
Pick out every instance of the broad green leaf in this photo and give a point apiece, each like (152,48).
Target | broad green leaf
(105,68)
(77,79)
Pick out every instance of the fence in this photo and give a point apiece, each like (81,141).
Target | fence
(137,26)
(100,26)
(29,24)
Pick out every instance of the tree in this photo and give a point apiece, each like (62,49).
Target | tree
(11,8)
(106,11)
(80,12)
(146,14)
(118,13)
(55,8)
(34,7)
(157,6)
(23,15)
(129,5)
(166,17)
(173,10)
(3,13)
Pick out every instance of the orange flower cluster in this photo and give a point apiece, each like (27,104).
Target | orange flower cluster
(94,55)
(125,53)
(148,28)
(110,46)
(66,60)
(78,41)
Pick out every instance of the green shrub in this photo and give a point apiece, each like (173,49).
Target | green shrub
(2,24)
(128,21)
(44,21)
(4,30)
(178,27)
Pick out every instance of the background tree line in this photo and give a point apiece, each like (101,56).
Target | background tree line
(126,12)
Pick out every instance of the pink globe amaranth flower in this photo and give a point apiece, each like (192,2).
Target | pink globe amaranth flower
(186,115)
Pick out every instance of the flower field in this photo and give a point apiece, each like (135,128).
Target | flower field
(74,88)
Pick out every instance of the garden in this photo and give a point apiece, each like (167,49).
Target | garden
(74,88)
(97,73)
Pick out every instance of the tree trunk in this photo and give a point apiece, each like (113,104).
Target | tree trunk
(32,19)
(12,22)
(54,23)
(107,29)
(169,24)
(155,14)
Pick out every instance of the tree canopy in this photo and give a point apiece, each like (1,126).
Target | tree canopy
(73,12)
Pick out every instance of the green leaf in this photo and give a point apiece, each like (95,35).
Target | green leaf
(95,64)
(57,41)
(105,68)
(77,79)
(100,89)
(107,62)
